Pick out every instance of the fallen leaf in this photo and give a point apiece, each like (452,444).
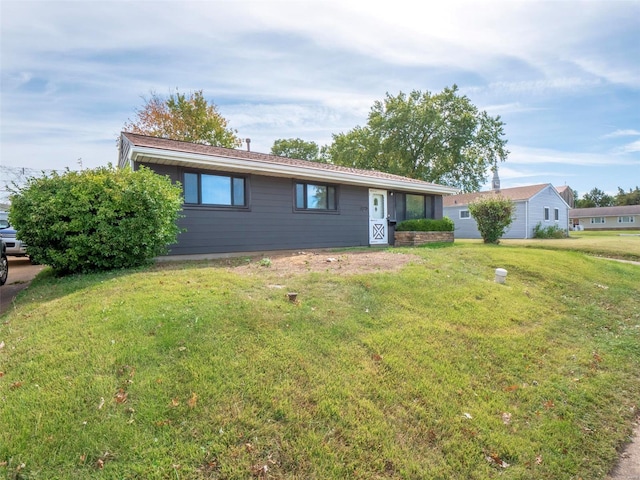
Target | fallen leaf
(597,357)
(511,388)
(1,345)
(376,357)
(101,404)
(549,404)
(100,464)
(182,349)
(539,460)
(506,418)
(121,396)
(1,374)
(495,459)
(15,385)
(175,402)
(193,400)
(468,415)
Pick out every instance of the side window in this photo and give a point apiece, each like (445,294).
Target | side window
(556,214)
(216,190)
(311,196)
(546,214)
(465,214)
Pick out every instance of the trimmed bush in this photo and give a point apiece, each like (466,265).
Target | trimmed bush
(551,231)
(98,219)
(425,225)
(493,214)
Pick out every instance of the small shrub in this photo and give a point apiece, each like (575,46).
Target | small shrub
(552,231)
(98,219)
(265,262)
(425,225)
(493,214)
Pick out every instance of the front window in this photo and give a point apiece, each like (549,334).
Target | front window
(465,214)
(415,206)
(217,190)
(626,219)
(597,220)
(311,196)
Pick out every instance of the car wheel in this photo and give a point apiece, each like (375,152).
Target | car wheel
(4,269)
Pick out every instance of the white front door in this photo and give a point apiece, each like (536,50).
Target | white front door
(378,226)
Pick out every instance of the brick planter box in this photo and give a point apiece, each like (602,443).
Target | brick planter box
(410,239)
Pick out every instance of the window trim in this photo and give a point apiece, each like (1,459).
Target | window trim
(322,211)
(547,214)
(556,214)
(601,222)
(467,212)
(216,206)
(630,219)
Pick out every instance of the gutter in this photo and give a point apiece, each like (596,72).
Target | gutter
(288,171)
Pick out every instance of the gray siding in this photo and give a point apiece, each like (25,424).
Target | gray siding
(464,227)
(527,215)
(270,222)
(547,197)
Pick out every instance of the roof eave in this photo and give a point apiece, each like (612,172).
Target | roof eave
(283,170)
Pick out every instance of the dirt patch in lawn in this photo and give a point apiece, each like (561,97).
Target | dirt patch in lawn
(346,263)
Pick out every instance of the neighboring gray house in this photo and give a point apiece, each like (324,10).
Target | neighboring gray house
(241,201)
(624,217)
(535,204)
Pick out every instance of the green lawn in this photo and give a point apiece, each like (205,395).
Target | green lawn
(613,244)
(432,372)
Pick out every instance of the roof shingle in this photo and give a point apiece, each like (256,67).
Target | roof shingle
(200,149)
(515,194)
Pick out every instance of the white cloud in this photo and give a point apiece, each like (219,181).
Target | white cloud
(539,156)
(623,133)
(632,147)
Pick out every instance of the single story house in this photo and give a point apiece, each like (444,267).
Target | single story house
(535,204)
(625,217)
(243,201)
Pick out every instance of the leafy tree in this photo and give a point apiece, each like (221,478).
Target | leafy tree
(189,118)
(97,219)
(630,198)
(595,198)
(298,148)
(493,214)
(439,138)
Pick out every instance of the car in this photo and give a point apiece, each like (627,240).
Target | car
(15,247)
(4,264)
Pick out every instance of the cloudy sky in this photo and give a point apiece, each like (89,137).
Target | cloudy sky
(563,75)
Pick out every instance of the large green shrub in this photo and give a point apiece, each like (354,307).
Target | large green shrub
(493,214)
(425,225)
(98,219)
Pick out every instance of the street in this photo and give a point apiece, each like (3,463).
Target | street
(21,272)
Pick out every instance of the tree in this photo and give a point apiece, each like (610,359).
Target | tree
(298,148)
(440,138)
(98,219)
(493,214)
(189,118)
(595,198)
(631,198)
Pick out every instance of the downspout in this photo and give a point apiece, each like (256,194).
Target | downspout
(526,219)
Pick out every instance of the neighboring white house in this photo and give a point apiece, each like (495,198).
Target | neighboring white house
(535,204)
(625,217)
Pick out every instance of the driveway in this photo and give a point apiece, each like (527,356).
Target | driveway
(21,272)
